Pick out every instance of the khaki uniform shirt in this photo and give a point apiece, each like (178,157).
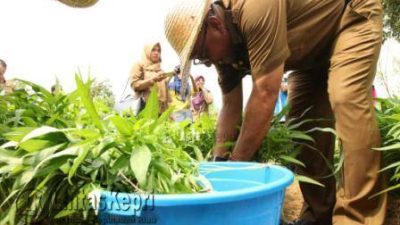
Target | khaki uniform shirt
(298,33)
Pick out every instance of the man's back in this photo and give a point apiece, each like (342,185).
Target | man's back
(312,25)
(305,29)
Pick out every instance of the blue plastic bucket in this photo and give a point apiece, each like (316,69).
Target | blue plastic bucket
(243,194)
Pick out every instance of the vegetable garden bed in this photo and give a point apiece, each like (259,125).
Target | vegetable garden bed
(56,148)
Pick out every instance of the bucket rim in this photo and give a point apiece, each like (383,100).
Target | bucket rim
(219,197)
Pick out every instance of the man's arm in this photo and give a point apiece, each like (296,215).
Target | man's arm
(258,114)
(228,120)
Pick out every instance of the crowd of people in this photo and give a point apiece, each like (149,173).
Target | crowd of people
(147,73)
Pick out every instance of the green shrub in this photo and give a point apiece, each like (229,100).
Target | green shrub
(388,111)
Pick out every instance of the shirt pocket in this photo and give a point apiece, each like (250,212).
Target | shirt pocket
(366,9)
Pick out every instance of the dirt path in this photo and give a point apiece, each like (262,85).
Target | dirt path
(294,201)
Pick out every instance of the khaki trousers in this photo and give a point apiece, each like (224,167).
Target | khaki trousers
(341,94)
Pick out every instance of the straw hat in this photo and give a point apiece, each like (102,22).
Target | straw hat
(79,3)
(182,26)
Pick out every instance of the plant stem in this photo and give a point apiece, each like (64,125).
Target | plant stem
(135,187)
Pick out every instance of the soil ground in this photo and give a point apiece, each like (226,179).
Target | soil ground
(294,202)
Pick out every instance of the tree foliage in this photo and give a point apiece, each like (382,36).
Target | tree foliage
(392,18)
(101,90)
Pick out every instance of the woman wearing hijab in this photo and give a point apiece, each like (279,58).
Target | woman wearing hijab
(147,73)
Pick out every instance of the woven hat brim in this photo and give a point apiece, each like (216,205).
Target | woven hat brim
(187,51)
(79,3)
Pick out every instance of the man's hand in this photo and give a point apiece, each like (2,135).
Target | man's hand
(177,69)
(258,114)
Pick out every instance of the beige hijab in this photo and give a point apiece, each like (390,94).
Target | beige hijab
(146,60)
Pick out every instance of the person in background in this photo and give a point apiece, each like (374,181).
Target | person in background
(180,101)
(374,94)
(282,98)
(3,68)
(201,99)
(5,85)
(56,89)
(147,73)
